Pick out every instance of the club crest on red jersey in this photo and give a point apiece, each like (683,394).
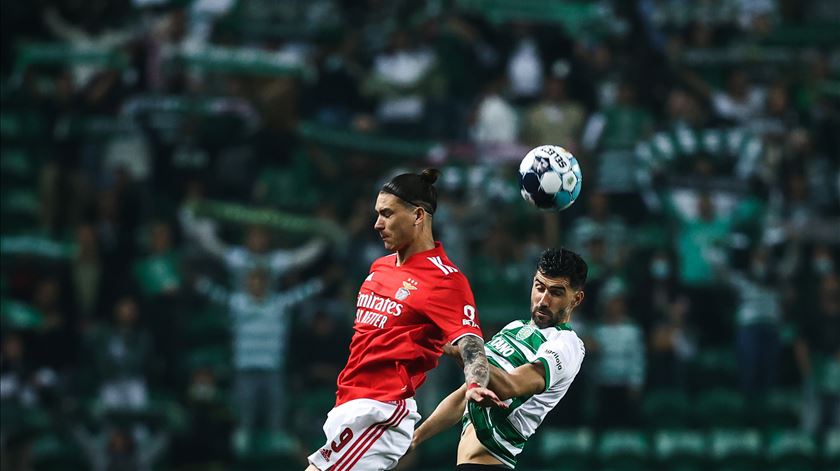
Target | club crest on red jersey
(407,287)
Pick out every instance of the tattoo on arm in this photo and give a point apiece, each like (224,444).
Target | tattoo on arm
(476,369)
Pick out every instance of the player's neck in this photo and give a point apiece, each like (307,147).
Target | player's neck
(420,245)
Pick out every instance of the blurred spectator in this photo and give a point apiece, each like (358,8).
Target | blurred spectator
(696,234)
(19,389)
(119,449)
(817,350)
(555,119)
(495,119)
(123,358)
(401,80)
(525,65)
(620,367)
(672,347)
(320,351)
(256,252)
(112,112)
(159,273)
(611,135)
(337,97)
(739,103)
(87,277)
(758,319)
(260,321)
(599,222)
(206,442)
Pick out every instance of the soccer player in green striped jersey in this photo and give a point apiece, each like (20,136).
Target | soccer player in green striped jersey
(533,363)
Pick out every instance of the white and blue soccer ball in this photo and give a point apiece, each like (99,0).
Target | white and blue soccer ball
(549,178)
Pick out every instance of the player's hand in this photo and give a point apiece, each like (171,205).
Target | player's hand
(485,398)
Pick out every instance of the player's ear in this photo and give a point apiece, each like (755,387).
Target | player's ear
(579,295)
(419,215)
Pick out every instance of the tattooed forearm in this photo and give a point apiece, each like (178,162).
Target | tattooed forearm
(475,361)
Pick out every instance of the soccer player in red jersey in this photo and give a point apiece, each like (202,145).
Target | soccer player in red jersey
(411,303)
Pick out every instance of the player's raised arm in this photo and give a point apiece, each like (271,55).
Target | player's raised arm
(445,415)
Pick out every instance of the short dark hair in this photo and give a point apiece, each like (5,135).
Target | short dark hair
(414,189)
(556,263)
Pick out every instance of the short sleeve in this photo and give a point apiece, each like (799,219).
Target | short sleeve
(451,307)
(555,361)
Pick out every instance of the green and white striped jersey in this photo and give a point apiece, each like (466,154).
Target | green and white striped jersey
(503,432)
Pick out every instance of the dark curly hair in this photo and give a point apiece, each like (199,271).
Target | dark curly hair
(557,263)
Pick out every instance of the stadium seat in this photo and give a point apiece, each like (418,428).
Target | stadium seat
(736,449)
(680,450)
(56,452)
(665,408)
(831,450)
(265,451)
(720,408)
(573,447)
(791,450)
(714,368)
(779,409)
(623,450)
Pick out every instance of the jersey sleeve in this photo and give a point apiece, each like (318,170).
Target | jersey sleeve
(451,307)
(556,362)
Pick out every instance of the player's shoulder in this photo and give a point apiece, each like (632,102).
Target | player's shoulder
(440,266)
(567,342)
(384,261)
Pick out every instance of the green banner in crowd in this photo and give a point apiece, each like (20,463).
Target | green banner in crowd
(271,218)
(35,245)
(236,60)
(16,315)
(364,142)
(576,17)
(67,54)
(665,148)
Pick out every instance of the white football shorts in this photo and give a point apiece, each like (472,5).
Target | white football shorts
(366,435)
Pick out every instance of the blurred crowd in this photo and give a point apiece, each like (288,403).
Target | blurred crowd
(187,210)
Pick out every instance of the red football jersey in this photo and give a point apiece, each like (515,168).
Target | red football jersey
(404,316)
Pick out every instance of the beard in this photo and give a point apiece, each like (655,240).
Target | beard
(545,317)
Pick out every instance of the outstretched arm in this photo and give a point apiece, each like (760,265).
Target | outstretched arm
(477,372)
(524,380)
(446,414)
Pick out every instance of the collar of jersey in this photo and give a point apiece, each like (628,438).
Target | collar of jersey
(563,326)
(438,247)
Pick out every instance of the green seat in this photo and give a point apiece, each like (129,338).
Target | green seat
(680,450)
(791,449)
(736,449)
(624,450)
(714,367)
(55,452)
(720,408)
(779,409)
(574,447)
(665,409)
(267,450)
